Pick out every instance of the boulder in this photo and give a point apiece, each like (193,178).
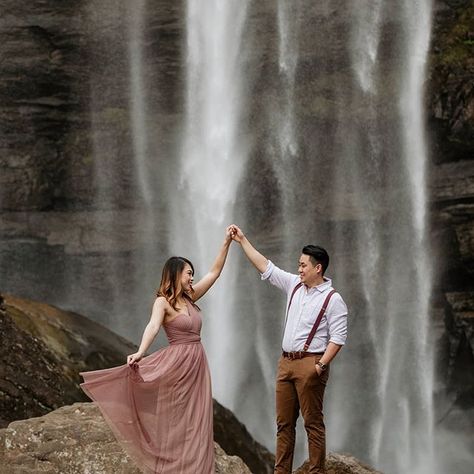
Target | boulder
(44,350)
(341,464)
(76,440)
(234,438)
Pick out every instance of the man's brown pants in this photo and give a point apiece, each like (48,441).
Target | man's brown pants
(299,387)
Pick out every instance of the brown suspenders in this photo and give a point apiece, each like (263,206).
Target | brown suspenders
(318,319)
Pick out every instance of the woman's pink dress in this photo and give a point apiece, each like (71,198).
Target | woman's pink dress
(161,410)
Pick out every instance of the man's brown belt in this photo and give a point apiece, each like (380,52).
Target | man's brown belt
(299,354)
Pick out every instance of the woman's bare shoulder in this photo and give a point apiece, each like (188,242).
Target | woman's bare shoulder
(161,303)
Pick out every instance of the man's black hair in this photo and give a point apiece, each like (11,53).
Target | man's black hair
(317,255)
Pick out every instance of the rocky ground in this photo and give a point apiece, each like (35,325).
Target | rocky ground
(341,464)
(76,440)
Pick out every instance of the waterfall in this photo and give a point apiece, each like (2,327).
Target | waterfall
(286,157)
(362,163)
(374,184)
(288,13)
(212,161)
(390,241)
(418,28)
(365,41)
(137,98)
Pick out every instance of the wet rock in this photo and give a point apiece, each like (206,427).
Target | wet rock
(44,350)
(235,439)
(452,186)
(76,440)
(451,89)
(450,100)
(341,464)
(460,323)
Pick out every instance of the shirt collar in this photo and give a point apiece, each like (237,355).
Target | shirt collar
(322,287)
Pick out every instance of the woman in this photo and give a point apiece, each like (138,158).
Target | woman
(160,407)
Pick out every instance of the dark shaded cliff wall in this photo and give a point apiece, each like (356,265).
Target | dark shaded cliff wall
(450,100)
(64,99)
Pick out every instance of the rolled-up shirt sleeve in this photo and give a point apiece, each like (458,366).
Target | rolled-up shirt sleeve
(279,278)
(337,320)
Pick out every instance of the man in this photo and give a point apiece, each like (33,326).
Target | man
(308,348)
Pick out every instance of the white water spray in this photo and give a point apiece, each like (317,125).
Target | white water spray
(398,322)
(366,40)
(137,97)
(212,162)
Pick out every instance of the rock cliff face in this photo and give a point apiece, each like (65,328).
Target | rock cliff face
(57,86)
(451,89)
(44,97)
(451,122)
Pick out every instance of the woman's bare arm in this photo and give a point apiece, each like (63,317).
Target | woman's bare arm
(213,274)
(151,330)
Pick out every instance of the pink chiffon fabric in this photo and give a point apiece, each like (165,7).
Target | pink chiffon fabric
(160,410)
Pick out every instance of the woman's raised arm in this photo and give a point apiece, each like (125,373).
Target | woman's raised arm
(203,285)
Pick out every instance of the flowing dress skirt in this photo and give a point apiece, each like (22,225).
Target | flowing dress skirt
(160,410)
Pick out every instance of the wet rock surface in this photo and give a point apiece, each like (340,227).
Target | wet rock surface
(341,464)
(451,89)
(43,350)
(76,440)
(234,438)
(450,106)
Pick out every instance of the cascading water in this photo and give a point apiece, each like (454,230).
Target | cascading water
(212,162)
(374,160)
(287,142)
(137,98)
(288,13)
(366,41)
(365,174)
(417,17)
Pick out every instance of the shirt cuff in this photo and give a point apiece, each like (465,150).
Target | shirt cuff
(339,340)
(269,270)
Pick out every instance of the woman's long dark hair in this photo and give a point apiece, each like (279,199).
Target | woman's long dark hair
(170,286)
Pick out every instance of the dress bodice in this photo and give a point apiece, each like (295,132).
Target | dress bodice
(184,328)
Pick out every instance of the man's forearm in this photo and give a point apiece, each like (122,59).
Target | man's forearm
(331,351)
(256,258)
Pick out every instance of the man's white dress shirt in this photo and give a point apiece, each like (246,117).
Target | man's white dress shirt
(304,309)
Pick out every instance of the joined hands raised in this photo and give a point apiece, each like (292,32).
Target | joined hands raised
(236,233)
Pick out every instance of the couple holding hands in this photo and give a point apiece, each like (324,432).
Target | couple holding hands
(159,406)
